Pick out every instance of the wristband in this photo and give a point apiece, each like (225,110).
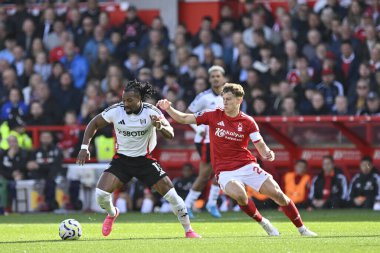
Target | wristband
(159,128)
(84,146)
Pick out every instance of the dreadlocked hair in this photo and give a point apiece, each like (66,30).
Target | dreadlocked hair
(145,89)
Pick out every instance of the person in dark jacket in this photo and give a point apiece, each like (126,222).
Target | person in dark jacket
(47,164)
(364,189)
(329,187)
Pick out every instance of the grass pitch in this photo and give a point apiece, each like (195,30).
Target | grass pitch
(339,231)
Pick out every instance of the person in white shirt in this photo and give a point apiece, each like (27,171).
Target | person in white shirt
(209,99)
(135,123)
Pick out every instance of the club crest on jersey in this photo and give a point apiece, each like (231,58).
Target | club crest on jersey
(240,127)
(143,121)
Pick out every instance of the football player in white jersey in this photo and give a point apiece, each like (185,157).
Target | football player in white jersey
(135,124)
(209,99)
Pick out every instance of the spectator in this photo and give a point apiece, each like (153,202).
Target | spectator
(205,38)
(6,53)
(297,184)
(68,140)
(98,68)
(329,87)
(313,38)
(318,104)
(348,63)
(50,105)
(42,67)
(37,116)
(358,101)
(13,162)
(67,96)
(18,63)
(329,187)
(340,107)
(364,189)
(93,11)
(14,103)
(46,25)
(46,165)
(289,107)
(28,34)
(53,39)
(76,65)
(132,27)
(133,64)
(372,107)
(90,51)
(86,33)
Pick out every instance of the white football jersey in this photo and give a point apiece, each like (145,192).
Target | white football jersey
(207,99)
(135,134)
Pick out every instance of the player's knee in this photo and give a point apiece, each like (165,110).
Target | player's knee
(282,199)
(242,199)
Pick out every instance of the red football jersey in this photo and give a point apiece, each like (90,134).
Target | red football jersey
(229,138)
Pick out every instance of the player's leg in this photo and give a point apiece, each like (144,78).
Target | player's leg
(233,186)
(204,173)
(107,184)
(165,187)
(273,190)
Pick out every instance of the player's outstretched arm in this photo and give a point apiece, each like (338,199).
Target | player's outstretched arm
(95,124)
(264,150)
(163,126)
(180,117)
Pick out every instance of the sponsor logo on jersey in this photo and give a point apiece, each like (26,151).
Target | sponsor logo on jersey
(121,122)
(132,133)
(220,123)
(221,133)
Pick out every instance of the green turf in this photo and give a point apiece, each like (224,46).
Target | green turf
(339,231)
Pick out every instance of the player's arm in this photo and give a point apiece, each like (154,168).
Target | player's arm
(96,123)
(163,126)
(264,150)
(180,117)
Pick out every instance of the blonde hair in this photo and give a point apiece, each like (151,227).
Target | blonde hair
(236,89)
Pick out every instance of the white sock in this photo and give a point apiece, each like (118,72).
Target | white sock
(122,205)
(179,208)
(213,195)
(104,200)
(191,197)
(301,229)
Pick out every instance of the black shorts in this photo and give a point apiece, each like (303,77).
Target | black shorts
(147,170)
(204,151)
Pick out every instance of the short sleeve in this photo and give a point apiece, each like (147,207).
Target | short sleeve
(254,132)
(203,117)
(197,105)
(109,113)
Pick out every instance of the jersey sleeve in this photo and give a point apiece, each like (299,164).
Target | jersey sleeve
(155,111)
(203,117)
(254,132)
(109,113)
(197,105)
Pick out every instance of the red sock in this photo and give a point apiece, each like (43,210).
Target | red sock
(251,210)
(292,212)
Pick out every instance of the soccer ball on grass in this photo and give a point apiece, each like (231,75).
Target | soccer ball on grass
(70,229)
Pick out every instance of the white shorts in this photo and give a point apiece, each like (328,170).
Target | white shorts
(250,174)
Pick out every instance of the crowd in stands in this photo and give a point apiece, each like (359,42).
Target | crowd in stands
(64,69)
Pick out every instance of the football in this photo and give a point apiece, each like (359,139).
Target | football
(70,229)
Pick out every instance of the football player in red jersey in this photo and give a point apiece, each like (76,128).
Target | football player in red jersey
(234,165)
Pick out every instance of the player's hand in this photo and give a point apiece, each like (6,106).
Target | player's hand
(83,156)
(164,104)
(270,156)
(156,122)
